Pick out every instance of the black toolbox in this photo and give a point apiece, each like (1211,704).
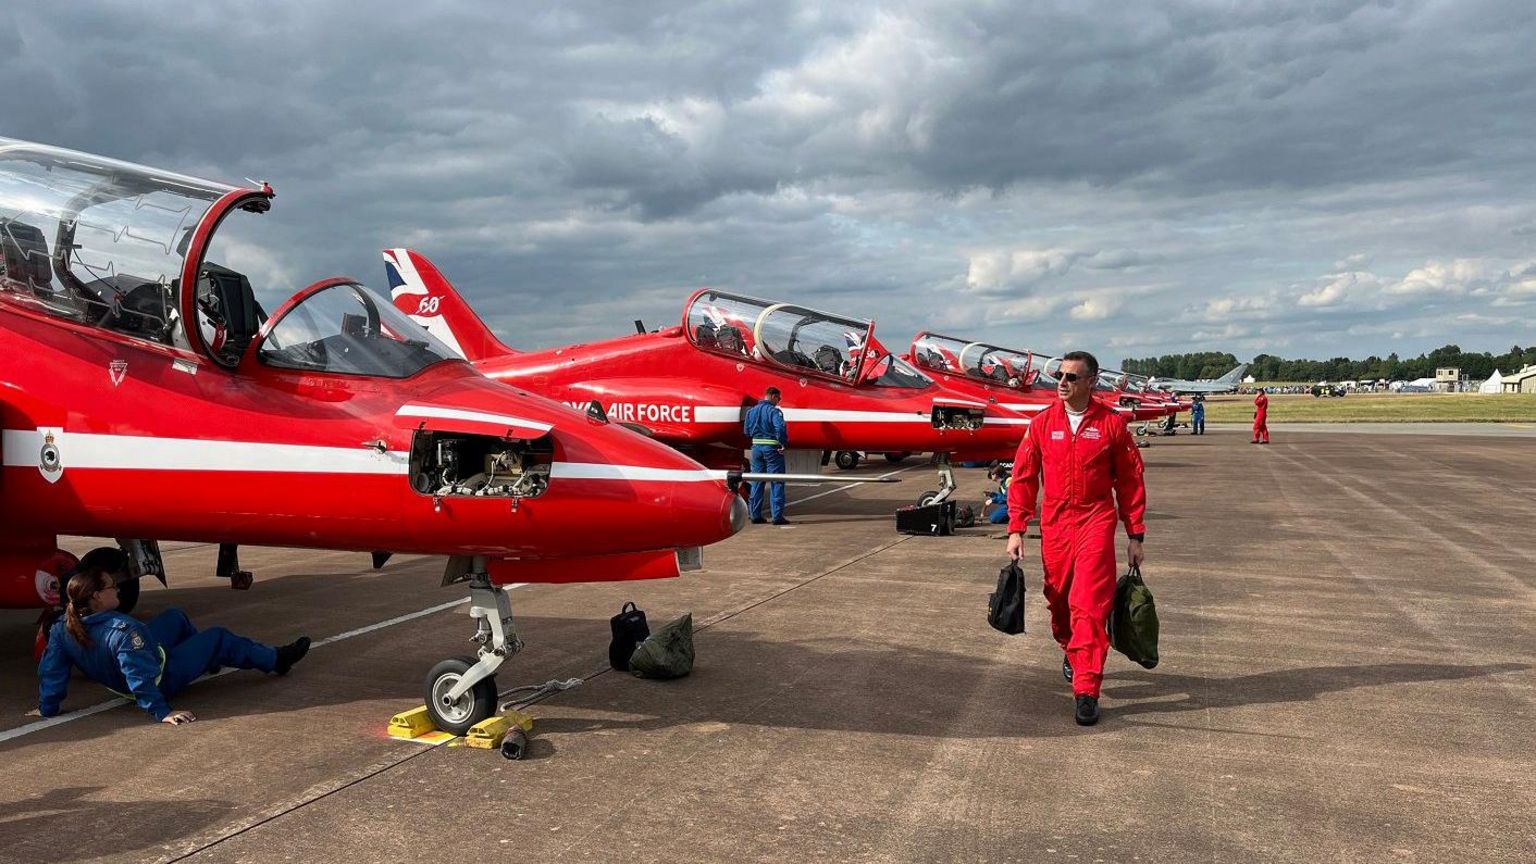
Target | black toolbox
(934,519)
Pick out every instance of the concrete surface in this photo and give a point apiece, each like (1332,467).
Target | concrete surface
(1347,675)
(1474,430)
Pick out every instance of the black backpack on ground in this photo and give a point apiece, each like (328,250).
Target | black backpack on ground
(1005,608)
(629,630)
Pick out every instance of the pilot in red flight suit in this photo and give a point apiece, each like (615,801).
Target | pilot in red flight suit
(1091,468)
(1261,418)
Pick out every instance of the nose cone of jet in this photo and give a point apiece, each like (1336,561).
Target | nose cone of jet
(737,518)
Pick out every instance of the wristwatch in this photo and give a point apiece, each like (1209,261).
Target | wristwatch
(1139,537)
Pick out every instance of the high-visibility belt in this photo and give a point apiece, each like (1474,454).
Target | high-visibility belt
(129,696)
(768,441)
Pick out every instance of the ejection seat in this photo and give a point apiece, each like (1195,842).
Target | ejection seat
(225,296)
(24,261)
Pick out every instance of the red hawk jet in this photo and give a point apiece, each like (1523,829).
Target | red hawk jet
(1021,380)
(690,385)
(144,392)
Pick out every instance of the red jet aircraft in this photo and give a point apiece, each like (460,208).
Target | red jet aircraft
(1019,380)
(690,385)
(145,393)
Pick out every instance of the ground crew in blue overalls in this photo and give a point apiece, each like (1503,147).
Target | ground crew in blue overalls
(1002,474)
(146,662)
(765,426)
(1197,416)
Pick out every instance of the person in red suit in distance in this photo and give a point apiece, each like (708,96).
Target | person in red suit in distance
(1261,418)
(1087,460)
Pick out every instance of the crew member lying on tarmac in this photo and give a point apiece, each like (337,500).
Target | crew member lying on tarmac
(152,661)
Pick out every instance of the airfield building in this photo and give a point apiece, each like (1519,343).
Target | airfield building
(1523,381)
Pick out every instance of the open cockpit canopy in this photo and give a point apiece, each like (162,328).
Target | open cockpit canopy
(1001,366)
(111,244)
(1110,381)
(796,338)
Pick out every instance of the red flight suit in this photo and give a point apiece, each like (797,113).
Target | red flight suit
(1086,477)
(1261,418)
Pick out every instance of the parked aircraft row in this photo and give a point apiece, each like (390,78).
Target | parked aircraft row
(145,393)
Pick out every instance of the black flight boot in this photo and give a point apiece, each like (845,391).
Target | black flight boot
(289,654)
(1066,668)
(1087,712)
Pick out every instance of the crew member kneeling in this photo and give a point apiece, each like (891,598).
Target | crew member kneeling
(1091,468)
(152,661)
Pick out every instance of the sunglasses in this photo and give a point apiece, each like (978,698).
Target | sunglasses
(1070,377)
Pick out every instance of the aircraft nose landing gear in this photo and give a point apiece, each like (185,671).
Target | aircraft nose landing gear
(461,691)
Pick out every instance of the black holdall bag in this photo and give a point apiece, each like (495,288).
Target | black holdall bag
(629,630)
(1133,619)
(1005,608)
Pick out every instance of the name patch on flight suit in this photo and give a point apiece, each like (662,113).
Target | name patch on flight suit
(1091,433)
(1058,435)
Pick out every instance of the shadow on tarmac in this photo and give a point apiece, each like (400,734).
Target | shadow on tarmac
(1268,688)
(61,825)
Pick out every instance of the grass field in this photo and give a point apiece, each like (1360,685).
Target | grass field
(1379,408)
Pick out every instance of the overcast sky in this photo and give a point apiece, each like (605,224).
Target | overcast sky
(1312,179)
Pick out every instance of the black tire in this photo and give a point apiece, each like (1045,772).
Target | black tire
(926,498)
(476,705)
(127,595)
(896,458)
(847,460)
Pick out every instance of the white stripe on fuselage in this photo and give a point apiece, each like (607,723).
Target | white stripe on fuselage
(599,471)
(733,414)
(84,451)
(87,450)
(474,416)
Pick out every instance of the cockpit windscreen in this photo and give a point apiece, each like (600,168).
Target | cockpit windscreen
(797,338)
(1001,366)
(348,329)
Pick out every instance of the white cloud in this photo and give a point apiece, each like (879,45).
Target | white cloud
(1438,277)
(997,271)
(1338,287)
(1094,309)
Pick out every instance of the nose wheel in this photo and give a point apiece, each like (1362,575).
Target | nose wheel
(461,691)
(456,715)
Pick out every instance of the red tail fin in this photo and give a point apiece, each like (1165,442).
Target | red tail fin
(420,291)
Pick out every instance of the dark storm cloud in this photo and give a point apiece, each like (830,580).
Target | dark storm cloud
(1323,178)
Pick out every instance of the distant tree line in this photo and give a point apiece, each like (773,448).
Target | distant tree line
(1268,367)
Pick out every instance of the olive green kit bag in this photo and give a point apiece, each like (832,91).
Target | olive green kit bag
(667,653)
(1133,619)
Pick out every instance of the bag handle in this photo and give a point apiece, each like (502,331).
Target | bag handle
(629,607)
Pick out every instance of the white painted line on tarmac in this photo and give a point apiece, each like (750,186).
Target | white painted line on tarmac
(846,486)
(50,722)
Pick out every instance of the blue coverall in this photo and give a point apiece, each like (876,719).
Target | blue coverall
(765,426)
(150,661)
(1197,418)
(1000,500)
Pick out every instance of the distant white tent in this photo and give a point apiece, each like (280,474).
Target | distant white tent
(1494,384)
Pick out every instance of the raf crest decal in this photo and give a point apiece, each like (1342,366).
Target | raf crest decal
(49,461)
